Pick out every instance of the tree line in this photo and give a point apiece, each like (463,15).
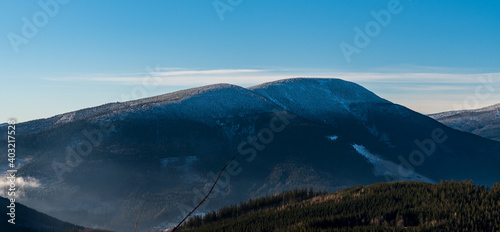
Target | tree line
(395,206)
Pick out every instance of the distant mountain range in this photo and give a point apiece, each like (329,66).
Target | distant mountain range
(100,166)
(484,122)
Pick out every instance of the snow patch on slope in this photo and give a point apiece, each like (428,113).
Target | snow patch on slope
(364,152)
(332,137)
(390,170)
(65,118)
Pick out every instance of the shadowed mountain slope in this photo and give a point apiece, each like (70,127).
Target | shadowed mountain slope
(161,154)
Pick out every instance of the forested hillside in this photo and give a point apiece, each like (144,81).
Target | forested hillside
(396,206)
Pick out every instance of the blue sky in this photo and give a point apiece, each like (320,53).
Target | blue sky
(430,56)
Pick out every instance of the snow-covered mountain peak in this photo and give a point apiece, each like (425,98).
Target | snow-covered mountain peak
(317,98)
(202,104)
(188,93)
(310,87)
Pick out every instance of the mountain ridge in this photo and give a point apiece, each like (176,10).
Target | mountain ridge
(330,134)
(182,95)
(484,122)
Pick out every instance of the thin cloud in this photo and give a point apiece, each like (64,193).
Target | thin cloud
(159,74)
(208,72)
(409,68)
(426,92)
(432,88)
(246,77)
(421,77)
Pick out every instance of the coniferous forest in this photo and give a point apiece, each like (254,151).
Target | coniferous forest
(396,206)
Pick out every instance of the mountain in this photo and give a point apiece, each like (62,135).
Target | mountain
(484,122)
(29,220)
(396,206)
(162,154)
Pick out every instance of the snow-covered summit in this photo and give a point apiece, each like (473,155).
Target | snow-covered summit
(342,90)
(317,98)
(207,102)
(188,93)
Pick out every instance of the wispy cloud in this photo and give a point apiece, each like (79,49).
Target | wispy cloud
(208,72)
(425,90)
(421,78)
(409,68)
(183,77)
(432,88)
